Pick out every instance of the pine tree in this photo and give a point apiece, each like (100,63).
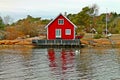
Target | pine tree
(2,25)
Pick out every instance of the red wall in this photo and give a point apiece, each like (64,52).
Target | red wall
(54,25)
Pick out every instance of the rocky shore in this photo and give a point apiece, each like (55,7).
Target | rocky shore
(100,42)
(16,42)
(86,41)
(113,41)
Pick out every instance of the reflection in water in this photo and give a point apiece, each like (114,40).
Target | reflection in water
(62,63)
(59,64)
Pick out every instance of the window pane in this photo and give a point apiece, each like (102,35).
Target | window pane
(58,33)
(68,32)
(61,21)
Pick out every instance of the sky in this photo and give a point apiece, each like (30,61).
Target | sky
(19,9)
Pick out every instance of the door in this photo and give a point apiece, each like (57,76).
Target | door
(58,33)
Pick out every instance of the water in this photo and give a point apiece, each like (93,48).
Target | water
(59,64)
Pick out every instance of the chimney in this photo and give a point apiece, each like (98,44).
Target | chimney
(65,14)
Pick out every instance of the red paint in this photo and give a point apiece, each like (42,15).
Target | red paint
(62,63)
(51,57)
(78,37)
(54,25)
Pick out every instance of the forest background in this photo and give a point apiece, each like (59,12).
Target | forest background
(86,19)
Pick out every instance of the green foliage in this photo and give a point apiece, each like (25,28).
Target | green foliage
(97,36)
(45,21)
(86,19)
(99,30)
(89,19)
(79,29)
(2,25)
(32,19)
(29,26)
(82,18)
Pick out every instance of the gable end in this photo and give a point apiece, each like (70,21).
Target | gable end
(60,19)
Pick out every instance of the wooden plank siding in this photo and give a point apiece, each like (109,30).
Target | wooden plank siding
(57,42)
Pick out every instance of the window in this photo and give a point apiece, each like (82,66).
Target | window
(58,33)
(60,21)
(68,31)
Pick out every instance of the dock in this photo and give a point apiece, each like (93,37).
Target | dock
(57,43)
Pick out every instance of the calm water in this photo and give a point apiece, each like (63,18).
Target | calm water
(60,64)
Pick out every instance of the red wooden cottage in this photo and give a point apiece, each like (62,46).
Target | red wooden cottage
(61,28)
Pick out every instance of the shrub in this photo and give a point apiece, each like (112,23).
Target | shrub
(97,36)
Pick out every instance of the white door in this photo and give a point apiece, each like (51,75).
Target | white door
(58,33)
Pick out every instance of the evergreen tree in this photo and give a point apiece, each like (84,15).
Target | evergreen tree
(2,25)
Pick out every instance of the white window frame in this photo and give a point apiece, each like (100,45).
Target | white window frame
(68,32)
(58,33)
(60,23)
